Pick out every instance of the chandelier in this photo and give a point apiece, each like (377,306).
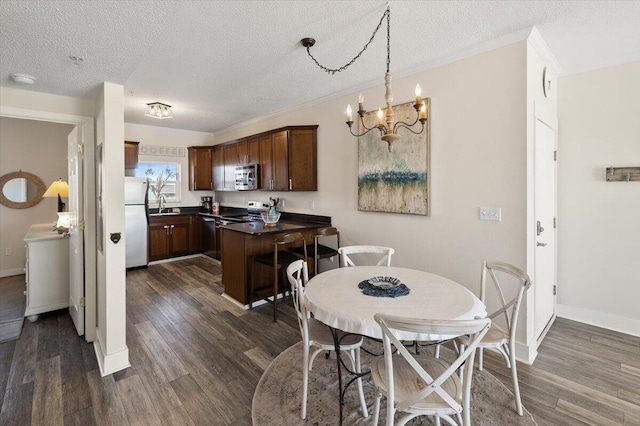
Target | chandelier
(158,110)
(386,123)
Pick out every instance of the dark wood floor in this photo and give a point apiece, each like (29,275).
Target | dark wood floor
(196,359)
(12,305)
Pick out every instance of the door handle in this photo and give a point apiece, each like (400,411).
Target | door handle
(539,228)
(541,244)
(290,184)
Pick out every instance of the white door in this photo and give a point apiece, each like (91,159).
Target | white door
(544,279)
(76,241)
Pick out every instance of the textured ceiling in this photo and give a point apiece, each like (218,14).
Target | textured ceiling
(221,63)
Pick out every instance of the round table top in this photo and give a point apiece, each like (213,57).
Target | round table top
(335,299)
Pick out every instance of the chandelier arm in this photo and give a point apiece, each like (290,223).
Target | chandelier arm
(368,130)
(386,14)
(401,124)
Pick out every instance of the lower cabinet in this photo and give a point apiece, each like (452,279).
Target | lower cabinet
(169,236)
(47,271)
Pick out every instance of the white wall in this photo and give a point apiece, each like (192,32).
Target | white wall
(19,140)
(28,99)
(599,221)
(162,136)
(478,158)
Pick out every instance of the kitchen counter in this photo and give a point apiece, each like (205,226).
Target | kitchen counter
(242,241)
(259,228)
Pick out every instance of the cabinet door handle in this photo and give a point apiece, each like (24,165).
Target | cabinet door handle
(290,184)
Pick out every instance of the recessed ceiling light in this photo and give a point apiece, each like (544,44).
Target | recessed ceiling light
(23,78)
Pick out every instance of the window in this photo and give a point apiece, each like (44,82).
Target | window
(164,179)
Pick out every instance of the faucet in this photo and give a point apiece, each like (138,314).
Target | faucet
(161,200)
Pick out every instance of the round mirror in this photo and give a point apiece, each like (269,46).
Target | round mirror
(21,190)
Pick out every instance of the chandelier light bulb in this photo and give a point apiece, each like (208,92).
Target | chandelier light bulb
(418,91)
(380,116)
(349,113)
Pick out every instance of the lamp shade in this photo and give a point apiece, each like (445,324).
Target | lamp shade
(58,187)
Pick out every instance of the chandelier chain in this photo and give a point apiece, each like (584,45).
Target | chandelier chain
(332,71)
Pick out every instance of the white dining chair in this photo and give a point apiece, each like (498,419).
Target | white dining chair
(347,251)
(419,384)
(317,336)
(503,339)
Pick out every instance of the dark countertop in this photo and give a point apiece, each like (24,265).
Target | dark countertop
(259,228)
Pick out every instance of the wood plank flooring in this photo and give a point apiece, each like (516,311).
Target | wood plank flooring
(196,360)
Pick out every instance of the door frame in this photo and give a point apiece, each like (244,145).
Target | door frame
(86,133)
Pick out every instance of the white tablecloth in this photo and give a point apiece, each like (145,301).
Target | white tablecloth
(335,299)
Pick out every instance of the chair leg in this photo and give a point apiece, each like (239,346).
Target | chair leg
(376,408)
(305,381)
(356,368)
(275,293)
(437,420)
(480,358)
(516,387)
(437,351)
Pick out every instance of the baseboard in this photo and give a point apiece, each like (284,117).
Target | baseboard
(526,353)
(111,363)
(174,259)
(600,319)
(11,272)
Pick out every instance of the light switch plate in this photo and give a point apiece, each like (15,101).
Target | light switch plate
(491,213)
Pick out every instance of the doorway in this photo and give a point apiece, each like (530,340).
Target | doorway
(84,126)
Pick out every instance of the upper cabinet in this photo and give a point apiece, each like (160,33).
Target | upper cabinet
(130,157)
(217,167)
(287,157)
(249,151)
(289,160)
(200,168)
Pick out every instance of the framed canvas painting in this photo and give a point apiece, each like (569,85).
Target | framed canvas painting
(398,181)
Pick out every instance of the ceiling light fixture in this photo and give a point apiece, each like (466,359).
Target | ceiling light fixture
(23,78)
(158,110)
(388,131)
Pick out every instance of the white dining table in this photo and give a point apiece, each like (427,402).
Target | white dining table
(335,299)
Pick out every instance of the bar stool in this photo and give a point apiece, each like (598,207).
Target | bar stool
(320,251)
(281,257)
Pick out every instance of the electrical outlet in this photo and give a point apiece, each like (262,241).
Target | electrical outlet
(491,213)
(282,204)
(8,251)
(312,205)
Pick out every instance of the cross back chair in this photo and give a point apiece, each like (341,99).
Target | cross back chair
(419,384)
(283,255)
(317,336)
(347,251)
(499,339)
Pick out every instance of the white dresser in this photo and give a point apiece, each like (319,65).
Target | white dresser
(47,270)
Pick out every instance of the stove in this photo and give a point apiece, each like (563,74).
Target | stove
(254,208)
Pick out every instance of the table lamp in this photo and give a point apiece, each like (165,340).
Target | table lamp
(59,188)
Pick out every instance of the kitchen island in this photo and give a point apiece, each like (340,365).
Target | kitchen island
(242,241)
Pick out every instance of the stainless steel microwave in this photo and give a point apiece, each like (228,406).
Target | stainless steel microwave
(247,177)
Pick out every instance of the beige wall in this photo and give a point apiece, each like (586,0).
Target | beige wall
(599,221)
(28,99)
(36,147)
(162,136)
(478,157)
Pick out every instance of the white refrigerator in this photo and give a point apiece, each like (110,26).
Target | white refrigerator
(136,221)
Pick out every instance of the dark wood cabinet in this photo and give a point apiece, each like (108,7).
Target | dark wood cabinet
(287,157)
(289,160)
(200,168)
(168,236)
(230,157)
(130,157)
(302,160)
(249,151)
(217,168)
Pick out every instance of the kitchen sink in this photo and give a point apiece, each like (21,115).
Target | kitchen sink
(164,214)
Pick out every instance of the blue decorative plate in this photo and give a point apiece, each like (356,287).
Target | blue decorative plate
(383,287)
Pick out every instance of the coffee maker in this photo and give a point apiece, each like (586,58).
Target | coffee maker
(206,204)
